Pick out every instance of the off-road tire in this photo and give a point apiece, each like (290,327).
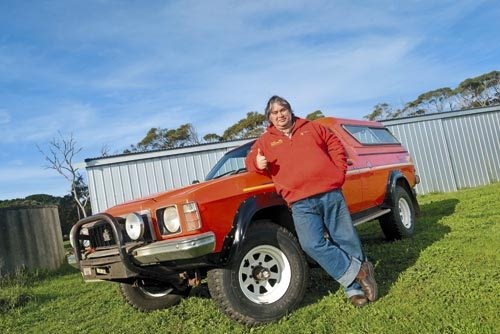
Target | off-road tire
(269,250)
(148,297)
(400,222)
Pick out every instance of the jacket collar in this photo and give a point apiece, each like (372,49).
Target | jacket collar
(299,122)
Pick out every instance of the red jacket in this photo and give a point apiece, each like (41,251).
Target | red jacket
(311,162)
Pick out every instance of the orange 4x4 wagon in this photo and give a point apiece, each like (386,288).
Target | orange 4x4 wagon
(236,231)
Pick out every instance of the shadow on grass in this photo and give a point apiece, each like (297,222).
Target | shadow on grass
(16,290)
(9,304)
(31,277)
(390,258)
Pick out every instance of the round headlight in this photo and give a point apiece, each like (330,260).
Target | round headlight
(171,219)
(134,225)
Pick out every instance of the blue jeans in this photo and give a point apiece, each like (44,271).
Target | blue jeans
(340,255)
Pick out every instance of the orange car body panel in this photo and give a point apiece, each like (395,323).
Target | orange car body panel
(219,199)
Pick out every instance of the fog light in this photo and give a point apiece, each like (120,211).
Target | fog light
(134,225)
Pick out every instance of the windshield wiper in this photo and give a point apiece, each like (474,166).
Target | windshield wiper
(231,172)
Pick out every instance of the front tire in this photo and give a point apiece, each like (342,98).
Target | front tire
(400,222)
(147,296)
(265,281)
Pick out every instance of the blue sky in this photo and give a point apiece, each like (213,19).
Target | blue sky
(107,71)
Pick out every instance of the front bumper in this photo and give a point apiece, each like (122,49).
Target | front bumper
(126,260)
(176,249)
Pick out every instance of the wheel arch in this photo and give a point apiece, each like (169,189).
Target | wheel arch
(397,178)
(265,206)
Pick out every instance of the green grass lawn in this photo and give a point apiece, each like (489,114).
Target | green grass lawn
(446,279)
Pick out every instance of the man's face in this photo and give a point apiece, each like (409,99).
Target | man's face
(280,117)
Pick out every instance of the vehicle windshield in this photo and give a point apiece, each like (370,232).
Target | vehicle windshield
(231,163)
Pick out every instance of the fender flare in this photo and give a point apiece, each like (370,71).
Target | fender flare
(395,177)
(243,219)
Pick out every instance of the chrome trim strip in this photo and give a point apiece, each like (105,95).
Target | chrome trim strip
(371,217)
(175,249)
(373,168)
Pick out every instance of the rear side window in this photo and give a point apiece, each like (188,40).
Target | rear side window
(370,136)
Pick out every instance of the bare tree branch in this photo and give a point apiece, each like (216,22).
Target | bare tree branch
(59,157)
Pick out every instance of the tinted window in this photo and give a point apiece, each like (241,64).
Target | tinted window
(367,135)
(231,163)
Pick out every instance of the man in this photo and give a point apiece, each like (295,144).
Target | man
(307,164)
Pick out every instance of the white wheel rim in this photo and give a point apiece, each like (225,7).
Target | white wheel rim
(273,278)
(404,212)
(155,292)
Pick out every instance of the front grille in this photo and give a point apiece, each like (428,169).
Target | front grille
(101,235)
(148,233)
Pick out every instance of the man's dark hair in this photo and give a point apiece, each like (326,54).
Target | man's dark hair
(279,100)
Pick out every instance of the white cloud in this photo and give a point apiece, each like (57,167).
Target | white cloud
(4,117)
(43,124)
(17,180)
(312,77)
(14,174)
(107,71)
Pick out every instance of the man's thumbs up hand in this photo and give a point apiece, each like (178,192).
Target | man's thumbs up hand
(260,160)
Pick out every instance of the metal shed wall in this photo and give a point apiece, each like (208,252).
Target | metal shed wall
(114,180)
(452,150)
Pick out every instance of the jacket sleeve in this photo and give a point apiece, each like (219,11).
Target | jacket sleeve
(250,161)
(334,146)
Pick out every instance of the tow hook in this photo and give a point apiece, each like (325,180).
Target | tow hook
(194,280)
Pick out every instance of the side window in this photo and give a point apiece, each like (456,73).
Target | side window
(371,135)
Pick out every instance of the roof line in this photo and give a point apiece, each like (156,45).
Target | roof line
(437,115)
(162,153)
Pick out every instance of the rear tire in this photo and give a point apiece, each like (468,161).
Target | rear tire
(400,222)
(265,281)
(147,296)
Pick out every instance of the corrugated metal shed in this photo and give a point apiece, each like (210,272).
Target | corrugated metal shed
(117,179)
(452,150)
